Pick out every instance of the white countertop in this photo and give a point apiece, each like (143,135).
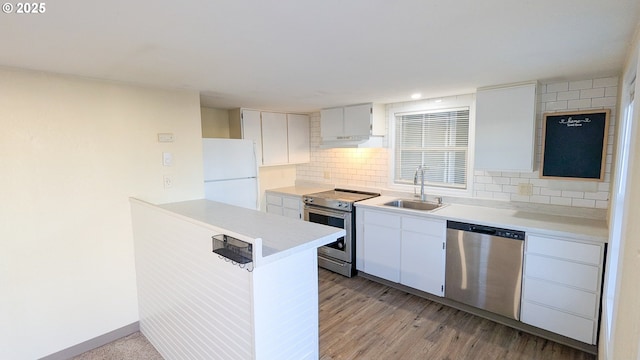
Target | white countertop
(281,236)
(539,223)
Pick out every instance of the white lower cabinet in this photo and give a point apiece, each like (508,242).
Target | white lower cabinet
(382,245)
(423,254)
(287,205)
(404,249)
(562,285)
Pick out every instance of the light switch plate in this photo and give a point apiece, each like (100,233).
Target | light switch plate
(167,159)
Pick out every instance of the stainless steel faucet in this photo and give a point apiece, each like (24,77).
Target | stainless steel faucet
(420,169)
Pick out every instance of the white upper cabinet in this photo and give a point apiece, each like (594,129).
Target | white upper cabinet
(351,125)
(245,124)
(332,122)
(274,135)
(298,138)
(505,128)
(358,120)
(280,138)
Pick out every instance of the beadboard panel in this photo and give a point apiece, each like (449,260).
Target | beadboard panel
(192,304)
(286,320)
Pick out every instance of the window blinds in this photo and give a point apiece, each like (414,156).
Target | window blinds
(436,139)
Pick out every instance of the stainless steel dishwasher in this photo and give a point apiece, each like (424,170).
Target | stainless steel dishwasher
(484,267)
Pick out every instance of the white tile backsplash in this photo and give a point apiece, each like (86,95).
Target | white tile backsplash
(370,167)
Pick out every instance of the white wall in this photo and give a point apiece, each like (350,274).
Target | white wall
(625,343)
(71,153)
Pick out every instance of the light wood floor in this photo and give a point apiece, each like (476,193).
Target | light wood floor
(361,319)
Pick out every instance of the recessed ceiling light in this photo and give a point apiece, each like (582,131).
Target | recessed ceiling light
(416,96)
(438,100)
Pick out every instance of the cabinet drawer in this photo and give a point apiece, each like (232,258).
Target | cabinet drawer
(572,326)
(274,209)
(382,219)
(564,249)
(561,297)
(291,203)
(563,272)
(274,199)
(424,226)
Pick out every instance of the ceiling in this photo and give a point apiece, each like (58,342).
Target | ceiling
(303,55)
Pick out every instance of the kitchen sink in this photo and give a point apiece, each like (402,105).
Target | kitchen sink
(413,204)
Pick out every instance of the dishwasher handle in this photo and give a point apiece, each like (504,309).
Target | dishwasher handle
(486,230)
(483,230)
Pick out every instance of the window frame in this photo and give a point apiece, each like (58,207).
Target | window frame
(430,105)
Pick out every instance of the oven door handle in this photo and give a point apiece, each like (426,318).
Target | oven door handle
(327,212)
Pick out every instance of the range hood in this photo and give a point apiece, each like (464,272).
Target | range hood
(362,142)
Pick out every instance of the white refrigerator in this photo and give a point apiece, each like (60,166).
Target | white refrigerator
(231,172)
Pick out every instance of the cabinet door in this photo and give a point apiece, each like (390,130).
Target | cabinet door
(274,204)
(357,119)
(505,128)
(274,139)
(331,122)
(423,256)
(382,245)
(251,130)
(298,138)
(292,207)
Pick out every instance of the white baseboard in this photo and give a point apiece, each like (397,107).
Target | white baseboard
(94,343)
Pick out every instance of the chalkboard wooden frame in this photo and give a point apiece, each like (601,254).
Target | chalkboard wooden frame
(574,145)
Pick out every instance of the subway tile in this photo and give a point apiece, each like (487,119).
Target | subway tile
(604,82)
(511,174)
(521,198)
(601,204)
(569,95)
(493,187)
(516,181)
(512,189)
(581,84)
(556,105)
(601,195)
(604,102)
(583,203)
(479,187)
(502,180)
(573,194)
(579,104)
(484,194)
(540,199)
(557,87)
(502,196)
(549,192)
(560,201)
(591,93)
(611,91)
(549,97)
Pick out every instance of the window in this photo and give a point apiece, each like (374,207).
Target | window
(435,139)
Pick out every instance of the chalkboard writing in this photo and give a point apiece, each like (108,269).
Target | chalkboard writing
(574,145)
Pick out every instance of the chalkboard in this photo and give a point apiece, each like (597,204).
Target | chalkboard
(574,145)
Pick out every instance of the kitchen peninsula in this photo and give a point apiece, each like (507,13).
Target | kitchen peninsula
(195,303)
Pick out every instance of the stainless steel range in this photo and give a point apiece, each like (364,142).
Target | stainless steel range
(335,208)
